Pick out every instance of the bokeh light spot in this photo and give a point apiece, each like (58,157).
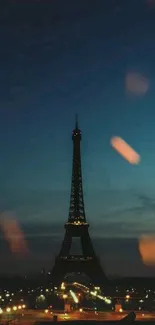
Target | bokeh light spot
(125,150)
(13,234)
(147,249)
(136,84)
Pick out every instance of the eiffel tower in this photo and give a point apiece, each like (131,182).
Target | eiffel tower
(77,226)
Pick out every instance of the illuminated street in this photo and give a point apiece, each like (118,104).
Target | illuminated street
(29,317)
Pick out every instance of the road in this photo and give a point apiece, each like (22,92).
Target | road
(29,317)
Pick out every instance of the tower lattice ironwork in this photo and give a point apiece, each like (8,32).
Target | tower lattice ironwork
(77,226)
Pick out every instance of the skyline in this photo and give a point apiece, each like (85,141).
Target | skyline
(55,63)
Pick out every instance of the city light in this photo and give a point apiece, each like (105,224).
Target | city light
(63,286)
(8,309)
(91,294)
(65,296)
(108,301)
(74,297)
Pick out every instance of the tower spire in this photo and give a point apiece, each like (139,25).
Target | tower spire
(76,121)
(76,210)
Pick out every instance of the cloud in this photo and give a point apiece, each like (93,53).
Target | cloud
(126,213)
(133,221)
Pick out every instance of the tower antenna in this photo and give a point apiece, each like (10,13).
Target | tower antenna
(76,121)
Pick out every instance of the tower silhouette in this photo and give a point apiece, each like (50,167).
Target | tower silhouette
(77,226)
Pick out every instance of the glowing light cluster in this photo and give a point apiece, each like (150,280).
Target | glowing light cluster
(63,286)
(14,308)
(74,296)
(107,300)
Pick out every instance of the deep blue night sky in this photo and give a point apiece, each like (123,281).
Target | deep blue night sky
(57,59)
